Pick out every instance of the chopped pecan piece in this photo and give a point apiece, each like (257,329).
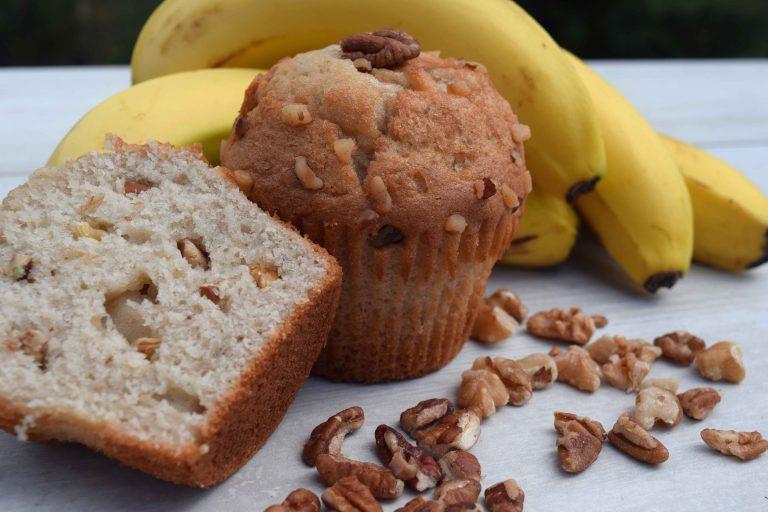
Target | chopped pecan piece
(349,494)
(680,347)
(193,253)
(295,114)
(492,323)
(515,379)
(482,389)
(380,480)
(85,230)
(420,504)
(382,48)
(461,465)
(604,347)
(211,292)
(743,445)
(455,223)
(484,188)
(437,428)
(506,496)
(657,406)
(572,326)
(300,500)
(148,346)
(135,187)
(636,442)
(541,368)
(19,267)
(511,303)
(581,441)
(263,274)
(329,435)
(722,361)
(407,462)
(462,493)
(697,403)
(625,372)
(424,414)
(576,368)
(306,176)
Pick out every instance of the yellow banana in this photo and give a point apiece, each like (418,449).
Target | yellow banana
(565,154)
(641,210)
(546,233)
(730,214)
(182,109)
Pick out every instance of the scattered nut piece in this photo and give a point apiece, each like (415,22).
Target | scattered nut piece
(295,114)
(382,48)
(635,441)
(349,494)
(381,481)
(362,65)
(577,369)
(135,187)
(572,326)
(455,223)
(744,445)
(657,406)
(680,347)
(668,384)
(506,496)
(195,256)
(521,132)
(482,389)
(484,188)
(379,195)
(328,436)
(606,346)
(600,321)
(511,200)
(511,303)
(91,204)
(462,493)
(541,369)
(460,464)
(517,382)
(437,428)
(344,149)
(263,274)
(581,441)
(407,462)
(300,500)
(722,361)
(697,403)
(85,230)
(492,323)
(625,372)
(420,504)
(19,267)
(309,180)
(211,292)
(148,346)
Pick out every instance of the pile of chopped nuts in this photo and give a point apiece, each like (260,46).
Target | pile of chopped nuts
(439,457)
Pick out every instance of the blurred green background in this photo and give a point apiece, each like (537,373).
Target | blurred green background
(103,31)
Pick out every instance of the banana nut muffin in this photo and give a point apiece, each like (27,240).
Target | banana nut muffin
(409,168)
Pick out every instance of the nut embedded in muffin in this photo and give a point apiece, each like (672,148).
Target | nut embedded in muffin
(410,169)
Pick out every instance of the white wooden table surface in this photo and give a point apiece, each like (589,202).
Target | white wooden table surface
(720,105)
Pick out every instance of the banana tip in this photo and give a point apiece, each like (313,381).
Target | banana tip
(762,259)
(662,279)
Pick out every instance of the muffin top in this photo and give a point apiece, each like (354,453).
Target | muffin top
(426,142)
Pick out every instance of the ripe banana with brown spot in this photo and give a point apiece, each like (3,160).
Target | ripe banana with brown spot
(730,214)
(565,154)
(640,210)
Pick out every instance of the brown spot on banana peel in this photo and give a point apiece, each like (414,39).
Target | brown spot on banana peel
(762,259)
(662,279)
(581,188)
(227,59)
(523,239)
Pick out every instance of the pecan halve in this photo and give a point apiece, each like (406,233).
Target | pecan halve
(437,430)
(424,414)
(407,462)
(462,492)
(299,500)
(697,403)
(380,480)
(329,435)
(743,445)
(506,496)
(632,439)
(349,494)
(581,441)
(386,48)
(460,464)
(680,347)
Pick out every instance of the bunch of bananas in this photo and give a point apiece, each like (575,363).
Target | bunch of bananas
(655,203)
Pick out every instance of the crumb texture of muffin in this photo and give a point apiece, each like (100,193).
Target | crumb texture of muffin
(413,177)
(150,311)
